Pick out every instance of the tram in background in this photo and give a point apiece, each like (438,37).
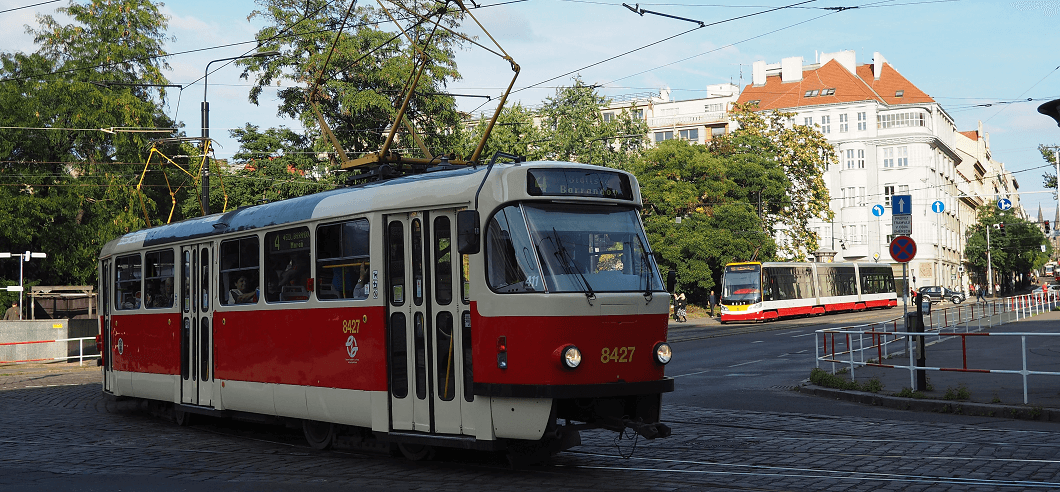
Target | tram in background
(1050,271)
(765,291)
(455,308)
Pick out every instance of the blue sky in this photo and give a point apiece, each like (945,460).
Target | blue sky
(976,58)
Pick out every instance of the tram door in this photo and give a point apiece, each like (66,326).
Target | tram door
(423,295)
(104,317)
(196,332)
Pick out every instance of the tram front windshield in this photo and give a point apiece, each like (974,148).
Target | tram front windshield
(540,247)
(741,284)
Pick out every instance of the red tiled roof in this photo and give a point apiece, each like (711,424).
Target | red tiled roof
(974,134)
(849,87)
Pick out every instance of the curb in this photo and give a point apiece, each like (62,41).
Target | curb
(1019,412)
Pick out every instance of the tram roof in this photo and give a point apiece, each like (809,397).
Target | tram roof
(461,182)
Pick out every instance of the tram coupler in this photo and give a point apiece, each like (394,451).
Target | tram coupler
(648,431)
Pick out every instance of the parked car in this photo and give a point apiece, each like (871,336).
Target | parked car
(936,294)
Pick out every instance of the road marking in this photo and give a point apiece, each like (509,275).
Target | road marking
(789,332)
(745,363)
(803,335)
(691,373)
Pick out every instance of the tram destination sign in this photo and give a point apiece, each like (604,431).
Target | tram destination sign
(578,182)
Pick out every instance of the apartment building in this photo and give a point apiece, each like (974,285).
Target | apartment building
(695,120)
(891,139)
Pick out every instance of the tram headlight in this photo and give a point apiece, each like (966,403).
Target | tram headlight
(570,356)
(663,354)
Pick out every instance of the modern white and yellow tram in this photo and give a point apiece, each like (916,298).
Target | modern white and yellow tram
(764,291)
(497,308)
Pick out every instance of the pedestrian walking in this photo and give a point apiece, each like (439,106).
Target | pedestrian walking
(12,312)
(680,306)
(979,293)
(713,301)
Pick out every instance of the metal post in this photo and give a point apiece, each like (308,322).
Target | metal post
(989,265)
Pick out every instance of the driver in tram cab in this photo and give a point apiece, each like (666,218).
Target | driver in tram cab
(242,294)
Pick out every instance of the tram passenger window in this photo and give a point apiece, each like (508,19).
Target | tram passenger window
(127,282)
(342,261)
(416,231)
(443,261)
(158,266)
(240,280)
(287,265)
(445,358)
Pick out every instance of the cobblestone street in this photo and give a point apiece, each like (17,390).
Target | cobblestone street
(59,433)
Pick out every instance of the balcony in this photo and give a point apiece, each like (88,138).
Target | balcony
(688,119)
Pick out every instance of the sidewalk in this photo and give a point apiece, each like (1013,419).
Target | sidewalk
(35,374)
(987,394)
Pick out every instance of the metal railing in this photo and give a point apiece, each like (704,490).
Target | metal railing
(81,356)
(870,344)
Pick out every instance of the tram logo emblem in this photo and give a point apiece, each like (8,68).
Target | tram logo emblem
(351,349)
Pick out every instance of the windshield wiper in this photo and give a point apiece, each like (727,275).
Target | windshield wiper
(645,265)
(569,266)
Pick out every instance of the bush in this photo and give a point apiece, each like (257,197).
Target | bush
(829,380)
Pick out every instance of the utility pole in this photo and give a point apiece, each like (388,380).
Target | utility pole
(989,265)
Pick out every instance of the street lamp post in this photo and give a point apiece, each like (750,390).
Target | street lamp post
(1052,110)
(206,125)
(22,259)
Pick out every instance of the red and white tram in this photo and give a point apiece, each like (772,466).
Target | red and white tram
(764,291)
(378,311)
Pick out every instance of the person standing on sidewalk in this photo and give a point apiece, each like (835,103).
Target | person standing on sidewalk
(713,302)
(12,312)
(979,293)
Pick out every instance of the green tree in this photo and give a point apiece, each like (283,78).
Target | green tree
(276,164)
(1013,253)
(1049,154)
(363,84)
(710,196)
(804,154)
(574,129)
(66,186)
(514,133)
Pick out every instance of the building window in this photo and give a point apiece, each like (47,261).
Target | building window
(827,92)
(692,134)
(888,157)
(811,93)
(903,156)
(861,195)
(899,93)
(808,121)
(849,198)
(888,192)
(864,234)
(901,120)
(863,121)
(637,114)
(850,158)
(843,125)
(660,136)
(861,158)
(714,108)
(826,124)
(608,117)
(717,131)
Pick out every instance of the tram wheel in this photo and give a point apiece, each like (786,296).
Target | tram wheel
(416,452)
(181,417)
(319,435)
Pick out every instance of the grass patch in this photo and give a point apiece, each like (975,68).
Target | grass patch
(961,393)
(829,380)
(909,393)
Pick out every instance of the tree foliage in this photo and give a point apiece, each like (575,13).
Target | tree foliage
(514,133)
(804,154)
(363,83)
(1013,253)
(1049,179)
(65,185)
(574,129)
(712,197)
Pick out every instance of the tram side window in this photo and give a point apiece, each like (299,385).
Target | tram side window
(158,266)
(240,280)
(876,280)
(287,265)
(845,282)
(127,279)
(343,269)
(443,261)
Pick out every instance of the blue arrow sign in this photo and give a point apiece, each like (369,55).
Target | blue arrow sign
(938,207)
(877,210)
(902,204)
(1004,204)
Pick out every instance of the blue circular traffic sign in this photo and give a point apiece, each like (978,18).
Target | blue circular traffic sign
(877,210)
(903,249)
(938,207)
(1004,204)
